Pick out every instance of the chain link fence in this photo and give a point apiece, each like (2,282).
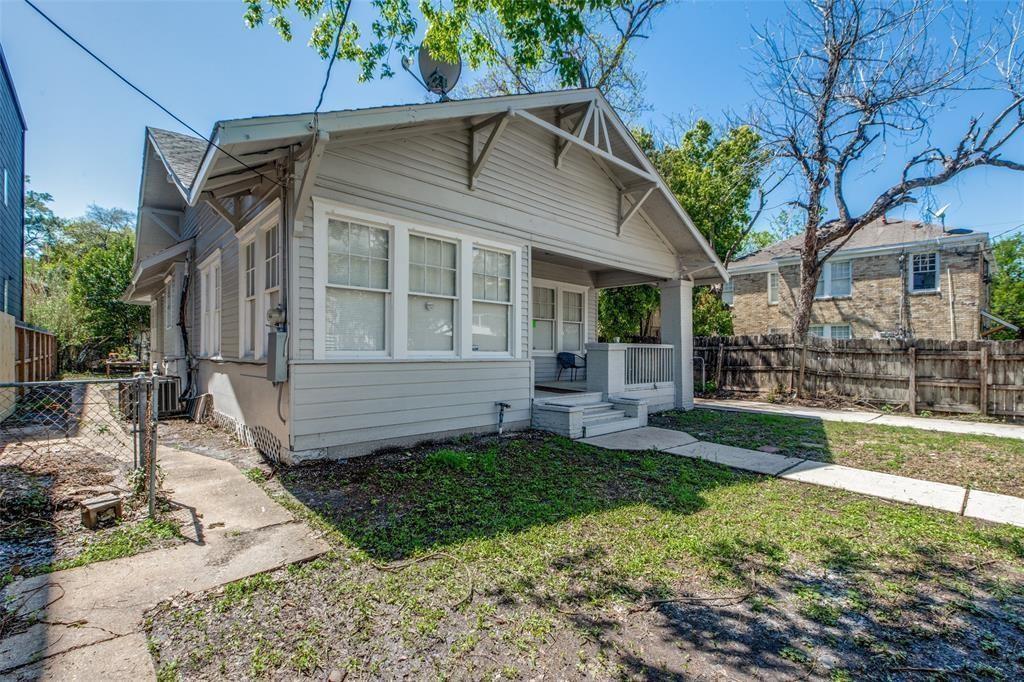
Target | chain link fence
(76,438)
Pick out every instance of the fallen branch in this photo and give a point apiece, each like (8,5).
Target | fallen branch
(395,568)
(732,599)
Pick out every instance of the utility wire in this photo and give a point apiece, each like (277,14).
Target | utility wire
(334,53)
(1006,232)
(147,96)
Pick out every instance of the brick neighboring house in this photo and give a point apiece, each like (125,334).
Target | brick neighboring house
(894,278)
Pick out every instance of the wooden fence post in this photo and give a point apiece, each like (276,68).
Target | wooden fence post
(718,367)
(912,380)
(803,366)
(983,380)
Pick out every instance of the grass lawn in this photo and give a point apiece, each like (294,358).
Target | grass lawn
(983,462)
(533,555)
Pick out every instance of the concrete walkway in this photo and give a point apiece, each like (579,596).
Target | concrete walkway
(866,417)
(975,504)
(89,619)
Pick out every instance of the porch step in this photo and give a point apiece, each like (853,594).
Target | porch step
(592,408)
(608,415)
(623,424)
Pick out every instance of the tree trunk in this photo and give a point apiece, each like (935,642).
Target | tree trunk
(809,270)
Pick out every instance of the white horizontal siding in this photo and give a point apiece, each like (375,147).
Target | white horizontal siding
(353,402)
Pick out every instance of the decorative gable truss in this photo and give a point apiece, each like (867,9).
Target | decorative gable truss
(238,195)
(584,125)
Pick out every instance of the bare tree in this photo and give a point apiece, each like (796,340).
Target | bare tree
(602,51)
(846,80)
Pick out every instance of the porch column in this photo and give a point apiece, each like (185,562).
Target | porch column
(677,329)
(606,368)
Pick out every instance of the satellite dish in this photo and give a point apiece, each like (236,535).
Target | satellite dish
(438,77)
(941,212)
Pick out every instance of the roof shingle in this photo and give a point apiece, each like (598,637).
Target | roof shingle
(182,153)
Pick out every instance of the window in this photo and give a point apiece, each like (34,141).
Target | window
(543,318)
(433,297)
(169,316)
(835,280)
(727,293)
(492,300)
(830,331)
(572,321)
(209,303)
(271,268)
(358,286)
(773,288)
(250,313)
(924,272)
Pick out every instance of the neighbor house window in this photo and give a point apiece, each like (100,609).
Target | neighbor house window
(773,288)
(209,306)
(358,286)
(250,312)
(572,321)
(433,293)
(543,318)
(727,293)
(830,331)
(924,272)
(492,300)
(835,280)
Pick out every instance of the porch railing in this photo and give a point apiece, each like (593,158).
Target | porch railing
(648,363)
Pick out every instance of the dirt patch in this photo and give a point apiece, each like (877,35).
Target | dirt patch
(536,557)
(211,440)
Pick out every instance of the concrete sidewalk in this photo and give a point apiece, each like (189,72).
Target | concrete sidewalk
(89,619)
(975,504)
(866,417)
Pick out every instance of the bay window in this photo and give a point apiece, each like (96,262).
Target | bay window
(544,318)
(433,298)
(358,287)
(492,300)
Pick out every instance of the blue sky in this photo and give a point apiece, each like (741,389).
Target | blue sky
(198,59)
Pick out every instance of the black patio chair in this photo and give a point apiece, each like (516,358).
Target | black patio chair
(571,362)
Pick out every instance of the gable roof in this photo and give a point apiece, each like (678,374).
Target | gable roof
(263,141)
(877,234)
(180,153)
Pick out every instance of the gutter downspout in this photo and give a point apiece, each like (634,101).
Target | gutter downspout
(952,298)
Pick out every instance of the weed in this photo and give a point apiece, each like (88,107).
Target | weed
(256,475)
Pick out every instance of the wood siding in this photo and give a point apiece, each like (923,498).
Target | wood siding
(12,160)
(350,403)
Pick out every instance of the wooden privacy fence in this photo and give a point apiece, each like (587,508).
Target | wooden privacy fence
(36,358)
(984,377)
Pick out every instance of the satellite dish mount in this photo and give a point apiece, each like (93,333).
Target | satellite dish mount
(435,76)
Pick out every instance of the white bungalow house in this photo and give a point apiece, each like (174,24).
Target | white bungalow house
(343,282)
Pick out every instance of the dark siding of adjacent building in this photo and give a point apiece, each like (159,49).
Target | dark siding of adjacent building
(12,160)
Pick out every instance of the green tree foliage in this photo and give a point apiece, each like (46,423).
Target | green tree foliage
(537,32)
(76,274)
(1008,283)
(626,313)
(710,316)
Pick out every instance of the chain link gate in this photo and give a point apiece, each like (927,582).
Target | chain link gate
(81,430)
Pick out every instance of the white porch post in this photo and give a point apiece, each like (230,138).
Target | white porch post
(677,329)
(606,368)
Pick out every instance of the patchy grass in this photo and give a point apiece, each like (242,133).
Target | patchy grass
(982,462)
(536,556)
(124,540)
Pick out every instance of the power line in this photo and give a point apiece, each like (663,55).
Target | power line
(1006,232)
(334,53)
(140,91)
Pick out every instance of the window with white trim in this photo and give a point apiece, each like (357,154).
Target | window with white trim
(544,317)
(250,309)
(924,272)
(572,321)
(728,293)
(492,300)
(835,280)
(357,288)
(271,268)
(433,293)
(831,331)
(210,305)
(169,316)
(773,288)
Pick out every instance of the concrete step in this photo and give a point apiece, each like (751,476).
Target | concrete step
(624,424)
(592,408)
(602,417)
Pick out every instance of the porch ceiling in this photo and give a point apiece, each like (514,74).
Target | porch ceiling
(601,275)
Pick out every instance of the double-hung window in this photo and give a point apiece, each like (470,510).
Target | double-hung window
(272,266)
(209,304)
(835,280)
(492,300)
(924,272)
(358,287)
(572,321)
(544,318)
(773,288)
(250,309)
(830,331)
(433,293)
(169,314)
